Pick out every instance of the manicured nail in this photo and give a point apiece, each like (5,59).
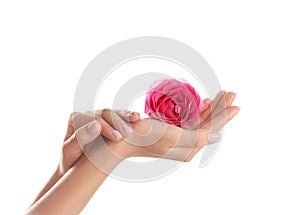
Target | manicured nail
(214,137)
(94,128)
(117,134)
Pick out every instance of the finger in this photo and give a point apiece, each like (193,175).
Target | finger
(220,103)
(206,109)
(218,98)
(188,138)
(229,98)
(116,119)
(224,103)
(206,103)
(108,131)
(83,136)
(80,119)
(187,153)
(117,122)
(213,137)
(128,116)
(231,112)
(70,128)
(205,116)
(223,118)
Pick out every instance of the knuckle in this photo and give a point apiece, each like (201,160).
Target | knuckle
(106,110)
(76,136)
(98,117)
(119,122)
(73,114)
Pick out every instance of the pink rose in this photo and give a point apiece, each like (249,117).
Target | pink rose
(175,102)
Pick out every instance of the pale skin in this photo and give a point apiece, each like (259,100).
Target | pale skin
(76,178)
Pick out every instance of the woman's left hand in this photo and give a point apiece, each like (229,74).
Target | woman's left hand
(83,128)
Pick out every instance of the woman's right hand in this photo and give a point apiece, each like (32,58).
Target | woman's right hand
(153,138)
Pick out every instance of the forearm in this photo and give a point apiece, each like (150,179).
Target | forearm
(52,181)
(74,189)
(72,192)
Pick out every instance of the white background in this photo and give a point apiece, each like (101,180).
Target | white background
(253,46)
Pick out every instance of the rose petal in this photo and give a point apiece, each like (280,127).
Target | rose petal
(173,101)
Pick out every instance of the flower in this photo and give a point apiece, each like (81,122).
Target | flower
(175,102)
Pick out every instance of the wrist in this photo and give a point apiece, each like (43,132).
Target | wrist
(132,145)
(106,156)
(124,149)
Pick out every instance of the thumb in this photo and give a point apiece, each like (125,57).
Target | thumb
(88,133)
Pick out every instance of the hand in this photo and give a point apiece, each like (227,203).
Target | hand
(83,128)
(150,138)
(153,138)
(214,109)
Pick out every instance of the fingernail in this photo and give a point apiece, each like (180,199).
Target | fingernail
(94,128)
(214,137)
(117,134)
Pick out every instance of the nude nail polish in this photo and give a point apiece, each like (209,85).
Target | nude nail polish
(213,137)
(117,134)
